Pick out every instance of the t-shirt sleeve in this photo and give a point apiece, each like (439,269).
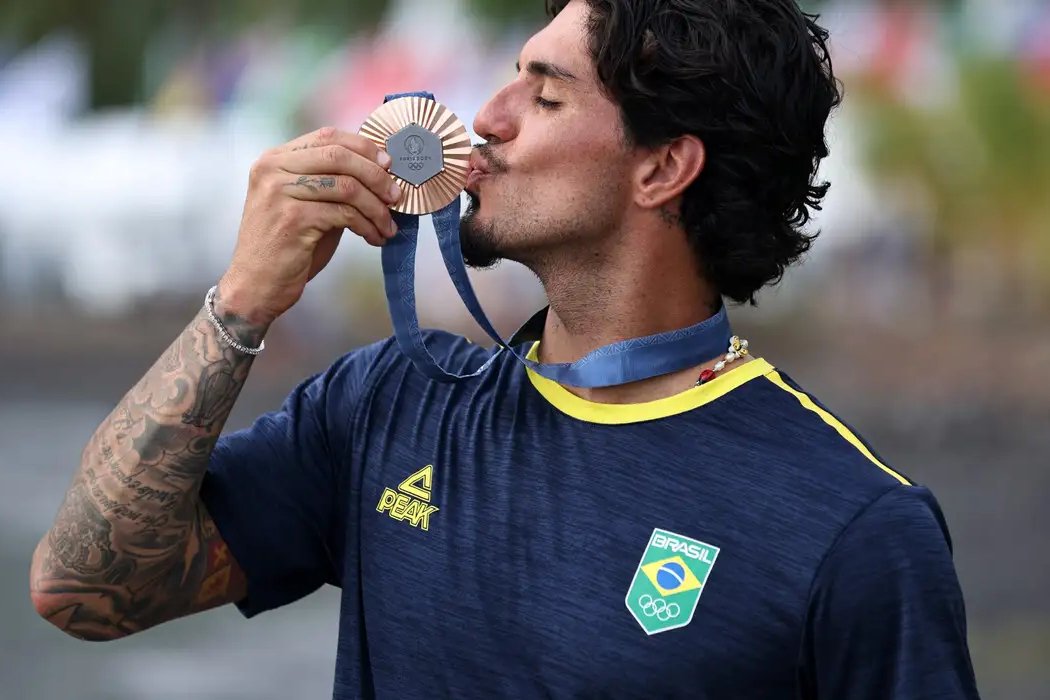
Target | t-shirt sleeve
(273,489)
(886,617)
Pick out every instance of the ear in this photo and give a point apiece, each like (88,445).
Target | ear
(667,170)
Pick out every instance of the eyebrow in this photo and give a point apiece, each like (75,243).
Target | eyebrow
(548,70)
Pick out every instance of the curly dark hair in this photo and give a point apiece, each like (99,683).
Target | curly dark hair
(753,80)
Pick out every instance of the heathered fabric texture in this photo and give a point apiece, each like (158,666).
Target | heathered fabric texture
(833,578)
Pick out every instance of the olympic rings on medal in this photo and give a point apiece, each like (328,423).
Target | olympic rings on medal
(659,608)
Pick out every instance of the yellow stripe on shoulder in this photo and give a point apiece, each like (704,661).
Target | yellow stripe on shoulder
(835,423)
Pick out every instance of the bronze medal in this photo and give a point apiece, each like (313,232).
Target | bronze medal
(430,149)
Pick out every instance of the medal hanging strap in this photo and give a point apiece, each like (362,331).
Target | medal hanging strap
(399,280)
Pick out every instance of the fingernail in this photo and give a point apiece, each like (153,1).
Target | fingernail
(393,228)
(395,192)
(385,159)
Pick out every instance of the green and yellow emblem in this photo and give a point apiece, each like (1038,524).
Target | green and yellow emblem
(669,580)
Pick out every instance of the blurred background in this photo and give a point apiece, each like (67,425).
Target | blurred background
(127,130)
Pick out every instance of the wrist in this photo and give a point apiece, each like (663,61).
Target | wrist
(243,318)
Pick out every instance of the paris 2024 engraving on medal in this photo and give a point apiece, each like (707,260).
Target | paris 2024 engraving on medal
(416,155)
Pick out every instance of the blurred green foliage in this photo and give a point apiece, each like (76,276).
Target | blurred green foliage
(982,158)
(116,33)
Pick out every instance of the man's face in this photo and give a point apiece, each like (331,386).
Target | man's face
(558,167)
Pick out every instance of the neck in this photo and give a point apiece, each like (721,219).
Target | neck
(619,295)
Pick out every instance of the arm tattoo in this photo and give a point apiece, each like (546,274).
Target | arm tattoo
(325,182)
(132,545)
(80,540)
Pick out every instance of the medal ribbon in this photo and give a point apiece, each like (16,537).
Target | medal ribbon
(619,363)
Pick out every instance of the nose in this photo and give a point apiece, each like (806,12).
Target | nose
(496,122)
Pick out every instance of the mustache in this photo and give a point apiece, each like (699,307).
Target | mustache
(495,162)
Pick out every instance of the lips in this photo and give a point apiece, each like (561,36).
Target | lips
(477,162)
(479,169)
(474,178)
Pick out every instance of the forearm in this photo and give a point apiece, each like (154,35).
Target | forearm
(130,545)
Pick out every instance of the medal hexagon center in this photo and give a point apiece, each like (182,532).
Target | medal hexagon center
(416,154)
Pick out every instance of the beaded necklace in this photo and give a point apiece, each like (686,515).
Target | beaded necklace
(737,349)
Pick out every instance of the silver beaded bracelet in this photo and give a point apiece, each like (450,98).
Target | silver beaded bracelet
(209,308)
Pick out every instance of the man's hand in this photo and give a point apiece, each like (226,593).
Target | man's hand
(301,196)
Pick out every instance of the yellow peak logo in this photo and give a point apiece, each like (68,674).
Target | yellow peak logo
(411,500)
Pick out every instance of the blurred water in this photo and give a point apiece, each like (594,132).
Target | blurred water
(289,653)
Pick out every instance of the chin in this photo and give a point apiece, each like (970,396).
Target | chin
(478,237)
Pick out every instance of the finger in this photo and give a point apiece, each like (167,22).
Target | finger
(339,160)
(338,215)
(330,136)
(341,189)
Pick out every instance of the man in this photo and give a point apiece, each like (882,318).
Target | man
(508,536)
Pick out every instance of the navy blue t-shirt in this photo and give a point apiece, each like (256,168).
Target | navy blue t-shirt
(504,538)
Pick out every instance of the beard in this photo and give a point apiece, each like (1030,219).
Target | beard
(539,243)
(478,241)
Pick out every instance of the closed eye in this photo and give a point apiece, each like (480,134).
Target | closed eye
(546,104)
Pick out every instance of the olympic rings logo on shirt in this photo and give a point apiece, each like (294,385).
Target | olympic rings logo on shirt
(659,608)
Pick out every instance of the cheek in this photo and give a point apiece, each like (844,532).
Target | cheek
(580,177)
(568,159)
(573,163)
